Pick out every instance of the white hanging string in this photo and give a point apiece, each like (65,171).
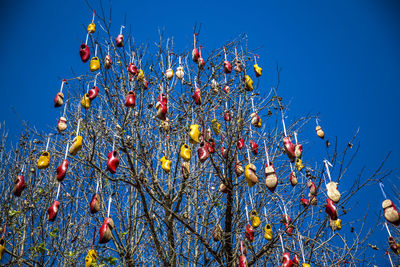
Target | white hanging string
(280,237)
(252,104)
(95,51)
(58,191)
(247,214)
(65,108)
(327,168)
(48,142)
(23,168)
(62,85)
(301,246)
(225,52)
(390,259)
(95,77)
(283,124)
(77,128)
(383,192)
(87,36)
(316,121)
(266,153)
(109,207)
(248,154)
(295,136)
(265,214)
(387,228)
(97,185)
(251,199)
(120,31)
(66,151)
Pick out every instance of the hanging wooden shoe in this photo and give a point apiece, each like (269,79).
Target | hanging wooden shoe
(200,61)
(62,124)
(293,179)
(227,67)
(224,152)
(140,76)
(185,152)
(257,70)
(391,213)
(85,102)
(216,126)
(185,168)
(108,62)
(331,209)
(305,265)
(93,93)
(240,144)
(393,245)
(130,99)
(95,204)
(320,132)
(287,222)
(132,69)
(214,86)
(180,72)
(312,199)
(238,168)
(254,219)
(94,64)
(44,160)
(217,233)
(163,98)
(84,53)
(227,89)
(112,162)
(53,210)
(91,28)
(296,260)
(76,145)
(62,170)
(286,261)
(165,125)
(223,188)
(119,40)
(242,261)
(271,180)
(19,185)
(312,187)
(211,146)
(194,134)
(238,66)
(250,174)
(161,110)
(2,247)
(289,148)
(91,258)
(305,202)
(254,147)
(105,230)
(227,115)
(299,164)
(335,224)
(249,232)
(268,234)
(169,74)
(255,120)
(59,100)
(165,164)
(333,192)
(203,152)
(197,96)
(298,150)
(248,83)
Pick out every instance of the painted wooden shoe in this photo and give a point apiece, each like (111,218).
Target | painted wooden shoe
(240,144)
(249,232)
(108,62)
(76,145)
(227,115)
(91,258)
(250,174)
(195,55)
(268,234)
(335,224)
(320,132)
(62,170)
(165,164)
(254,147)
(194,133)
(94,64)
(91,28)
(95,204)
(293,179)
(201,63)
(180,73)
(248,83)
(2,247)
(197,96)
(93,92)
(227,67)
(130,99)
(254,219)
(169,74)
(161,110)
(394,246)
(214,86)
(85,101)
(271,179)
(286,261)
(333,192)
(391,213)
(203,152)
(287,222)
(185,152)
(44,160)
(224,152)
(331,209)
(298,150)
(216,126)
(19,185)
(59,100)
(62,124)
(132,69)
(105,230)
(257,70)
(53,210)
(312,187)
(84,52)
(255,120)
(119,40)
(242,261)
(289,148)
(299,164)
(238,168)
(112,162)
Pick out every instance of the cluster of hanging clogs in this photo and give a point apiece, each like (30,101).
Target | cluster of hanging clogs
(392,216)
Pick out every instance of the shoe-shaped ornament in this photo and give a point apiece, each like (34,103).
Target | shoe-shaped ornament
(268,232)
(165,124)
(289,148)
(180,73)
(293,178)
(312,199)
(197,96)
(296,260)
(217,233)
(216,126)
(130,99)
(333,192)
(108,62)
(85,101)
(91,28)
(238,168)
(119,40)
(286,261)
(161,110)
(185,168)
(299,164)
(287,222)
(320,132)
(62,124)
(238,66)
(227,67)
(201,63)
(249,232)
(95,204)
(194,133)
(140,76)
(254,219)
(84,52)
(105,230)
(331,209)
(248,83)
(2,247)
(211,146)
(335,224)
(94,64)
(250,174)
(254,147)
(257,70)
(132,69)
(186,153)
(214,86)
(305,202)
(312,187)
(169,74)
(165,164)
(223,188)
(163,98)
(394,246)
(59,100)
(271,179)
(298,150)
(224,152)
(112,162)
(53,210)
(255,120)
(195,55)
(93,92)
(227,89)
(203,152)
(91,258)
(240,143)
(242,261)
(76,145)
(227,115)
(19,185)
(62,170)
(305,265)
(44,160)
(391,213)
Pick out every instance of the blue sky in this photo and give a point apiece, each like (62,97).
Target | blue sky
(339,58)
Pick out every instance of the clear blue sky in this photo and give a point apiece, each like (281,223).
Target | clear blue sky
(339,58)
